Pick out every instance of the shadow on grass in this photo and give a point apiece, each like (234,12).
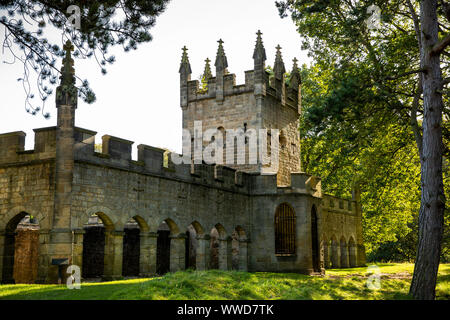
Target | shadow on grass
(226,285)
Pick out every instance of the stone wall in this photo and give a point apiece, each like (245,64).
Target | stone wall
(26,255)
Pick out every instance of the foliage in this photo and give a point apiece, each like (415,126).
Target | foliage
(362,111)
(29,25)
(214,284)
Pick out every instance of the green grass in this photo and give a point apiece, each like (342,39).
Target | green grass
(338,284)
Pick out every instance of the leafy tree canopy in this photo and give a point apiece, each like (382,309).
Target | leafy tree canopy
(102,24)
(362,109)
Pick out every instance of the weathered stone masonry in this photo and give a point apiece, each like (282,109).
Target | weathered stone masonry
(63,182)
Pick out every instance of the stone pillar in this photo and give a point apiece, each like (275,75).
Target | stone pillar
(77,253)
(335,255)
(113,255)
(225,253)
(66,103)
(326,255)
(344,256)
(243,255)
(177,252)
(361,255)
(352,256)
(44,258)
(147,259)
(203,255)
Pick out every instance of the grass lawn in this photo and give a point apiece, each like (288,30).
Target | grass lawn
(337,284)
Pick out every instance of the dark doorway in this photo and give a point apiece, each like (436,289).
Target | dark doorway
(214,249)
(93,248)
(131,249)
(315,240)
(163,252)
(191,248)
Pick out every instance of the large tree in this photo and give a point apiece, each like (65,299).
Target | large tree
(382,73)
(93,27)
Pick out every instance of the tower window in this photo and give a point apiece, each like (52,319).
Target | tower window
(285,226)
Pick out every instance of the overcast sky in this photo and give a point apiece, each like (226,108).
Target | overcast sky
(138,99)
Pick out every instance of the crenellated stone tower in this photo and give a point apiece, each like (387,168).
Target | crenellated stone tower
(260,103)
(275,222)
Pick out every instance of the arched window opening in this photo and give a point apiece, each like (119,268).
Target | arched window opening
(191,245)
(163,249)
(214,248)
(93,248)
(131,248)
(285,230)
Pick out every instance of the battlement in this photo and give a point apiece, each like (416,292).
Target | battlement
(12,144)
(337,205)
(223,84)
(117,154)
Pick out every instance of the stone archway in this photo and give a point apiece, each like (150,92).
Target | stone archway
(214,246)
(335,255)
(163,249)
(170,248)
(100,248)
(344,253)
(221,248)
(352,253)
(239,249)
(131,249)
(20,244)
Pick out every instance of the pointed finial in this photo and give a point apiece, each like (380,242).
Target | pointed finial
(185,65)
(278,67)
(259,52)
(295,79)
(221,59)
(67,71)
(207,74)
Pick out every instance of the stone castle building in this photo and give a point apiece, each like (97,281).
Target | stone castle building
(114,216)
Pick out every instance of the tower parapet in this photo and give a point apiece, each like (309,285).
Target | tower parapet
(257,104)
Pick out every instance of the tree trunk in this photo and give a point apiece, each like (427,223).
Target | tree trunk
(433,200)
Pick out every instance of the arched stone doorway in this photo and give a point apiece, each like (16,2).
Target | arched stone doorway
(131,249)
(239,249)
(191,247)
(214,248)
(221,248)
(100,247)
(315,240)
(170,248)
(344,253)
(335,257)
(285,230)
(20,250)
(163,249)
(352,252)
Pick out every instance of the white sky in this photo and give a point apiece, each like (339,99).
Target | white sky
(138,99)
